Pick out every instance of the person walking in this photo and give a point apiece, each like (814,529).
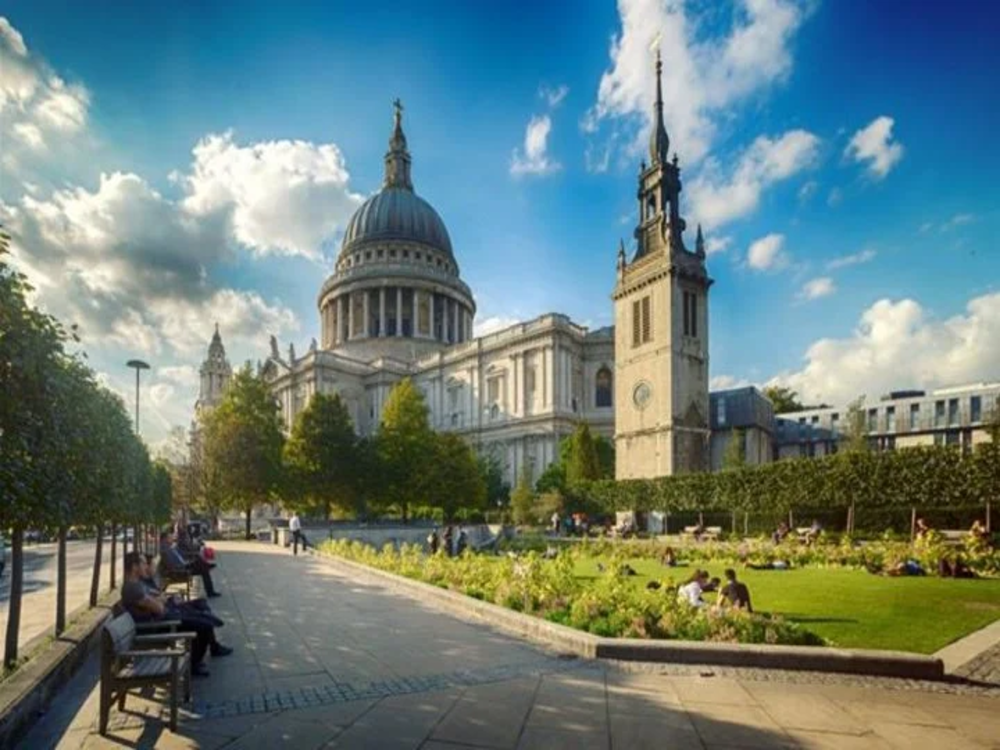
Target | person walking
(295,526)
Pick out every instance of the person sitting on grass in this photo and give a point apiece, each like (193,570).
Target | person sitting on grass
(815,529)
(735,593)
(668,559)
(954,568)
(770,565)
(780,533)
(144,607)
(691,592)
(905,568)
(712,586)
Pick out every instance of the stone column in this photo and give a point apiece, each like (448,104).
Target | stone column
(366,311)
(431,295)
(399,311)
(350,315)
(455,338)
(381,311)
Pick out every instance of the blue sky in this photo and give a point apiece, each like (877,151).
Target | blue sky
(841,155)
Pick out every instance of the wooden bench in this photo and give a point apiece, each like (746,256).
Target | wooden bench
(954,538)
(130,660)
(711,533)
(172,577)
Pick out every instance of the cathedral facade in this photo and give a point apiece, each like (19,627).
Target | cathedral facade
(395,306)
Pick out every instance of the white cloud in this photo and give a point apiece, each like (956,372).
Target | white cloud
(767,253)
(817,288)
(725,382)
(835,197)
(183,375)
(34,101)
(705,72)
(553,97)
(717,199)
(808,190)
(926,227)
(864,256)
(285,197)
(494,323)
(535,160)
(715,244)
(161,393)
(874,144)
(897,344)
(958,220)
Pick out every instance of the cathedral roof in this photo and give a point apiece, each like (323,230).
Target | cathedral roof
(396,212)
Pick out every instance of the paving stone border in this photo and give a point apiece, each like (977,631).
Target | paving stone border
(25,695)
(816,659)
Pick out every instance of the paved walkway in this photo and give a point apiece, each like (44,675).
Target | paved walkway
(324,662)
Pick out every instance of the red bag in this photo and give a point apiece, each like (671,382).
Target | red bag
(208,553)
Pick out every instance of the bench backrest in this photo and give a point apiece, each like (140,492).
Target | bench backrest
(118,634)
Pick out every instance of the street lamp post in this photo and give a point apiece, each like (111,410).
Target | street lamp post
(138,365)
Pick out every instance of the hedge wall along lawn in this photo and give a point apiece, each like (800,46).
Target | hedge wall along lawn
(852,608)
(925,477)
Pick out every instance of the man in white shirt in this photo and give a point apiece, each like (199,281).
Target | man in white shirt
(295,526)
(691,591)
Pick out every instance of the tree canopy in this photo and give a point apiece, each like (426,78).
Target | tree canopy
(783,398)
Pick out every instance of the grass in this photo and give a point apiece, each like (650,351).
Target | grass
(852,608)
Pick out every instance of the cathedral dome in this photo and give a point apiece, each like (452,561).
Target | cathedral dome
(396,213)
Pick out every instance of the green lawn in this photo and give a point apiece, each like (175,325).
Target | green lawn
(852,608)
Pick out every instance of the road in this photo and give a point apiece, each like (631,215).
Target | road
(38,608)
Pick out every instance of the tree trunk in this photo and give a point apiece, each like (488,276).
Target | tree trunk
(249,513)
(95,581)
(114,549)
(14,605)
(61,582)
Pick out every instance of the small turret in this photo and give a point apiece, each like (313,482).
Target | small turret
(699,243)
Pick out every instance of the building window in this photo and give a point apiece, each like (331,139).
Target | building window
(406,253)
(938,438)
(602,389)
(952,412)
(976,409)
(642,322)
(890,419)
(494,411)
(939,413)
(872,420)
(951,437)
(815,420)
(722,411)
(914,416)
(493,390)
(834,423)
(690,300)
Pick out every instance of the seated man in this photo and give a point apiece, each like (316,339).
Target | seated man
(173,560)
(144,607)
(780,533)
(175,603)
(735,592)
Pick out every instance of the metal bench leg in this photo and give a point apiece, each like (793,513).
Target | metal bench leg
(121,699)
(105,710)
(174,697)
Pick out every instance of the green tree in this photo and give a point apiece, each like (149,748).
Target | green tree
(605,456)
(456,480)
(734,456)
(582,461)
(855,437)
(522,499)
(784,399)
(243,445)
(405,448)
(497,487)
(321,455)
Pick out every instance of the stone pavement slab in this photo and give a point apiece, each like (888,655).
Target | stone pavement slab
(323,661)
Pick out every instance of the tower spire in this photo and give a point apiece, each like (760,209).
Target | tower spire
(397,159)
(659,142)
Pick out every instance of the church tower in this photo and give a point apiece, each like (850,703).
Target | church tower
(661,329)
(215,374)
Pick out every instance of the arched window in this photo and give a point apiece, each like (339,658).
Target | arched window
(602,382)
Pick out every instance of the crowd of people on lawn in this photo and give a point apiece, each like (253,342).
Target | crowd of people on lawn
(144,597)
(451,542)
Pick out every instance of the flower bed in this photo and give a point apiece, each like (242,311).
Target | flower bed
(607,606)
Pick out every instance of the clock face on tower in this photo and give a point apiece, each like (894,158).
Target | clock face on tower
(641,395)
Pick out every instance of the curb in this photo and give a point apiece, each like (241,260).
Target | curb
(26,694)
(762,656)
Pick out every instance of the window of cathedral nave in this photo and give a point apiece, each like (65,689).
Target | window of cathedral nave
(602,388)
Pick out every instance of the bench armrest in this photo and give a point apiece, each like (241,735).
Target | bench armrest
(157,625)
(169,652)
(165,638)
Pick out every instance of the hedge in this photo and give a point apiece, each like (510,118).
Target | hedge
(925,477)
